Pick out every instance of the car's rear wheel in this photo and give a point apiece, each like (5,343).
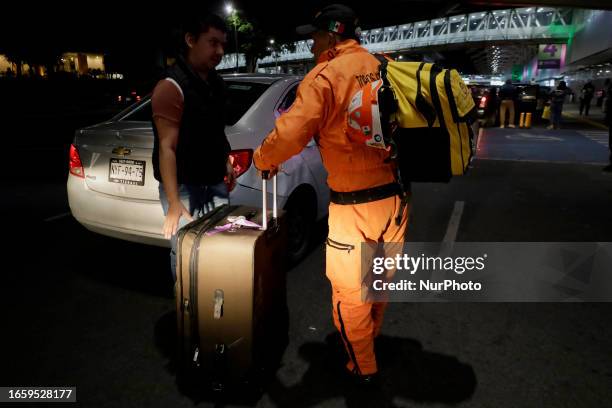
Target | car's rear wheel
(301,217)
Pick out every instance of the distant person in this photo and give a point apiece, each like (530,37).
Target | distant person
(557,98)
(601,96)
(191,151)
(586,95)
(570,94)
(608,117)
(491,109)
(507,96)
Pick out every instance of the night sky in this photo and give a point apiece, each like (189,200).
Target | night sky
(126,24)
(128,32)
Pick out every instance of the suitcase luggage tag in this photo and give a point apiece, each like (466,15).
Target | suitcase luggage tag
(234,223)
(237,222)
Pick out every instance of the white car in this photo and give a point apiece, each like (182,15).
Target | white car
(125,204)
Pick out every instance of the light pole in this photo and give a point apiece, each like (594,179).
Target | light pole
(274,55)
(230,10)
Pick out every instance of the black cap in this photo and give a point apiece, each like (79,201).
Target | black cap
(336,18)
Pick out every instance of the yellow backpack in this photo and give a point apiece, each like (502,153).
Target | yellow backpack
(426,112)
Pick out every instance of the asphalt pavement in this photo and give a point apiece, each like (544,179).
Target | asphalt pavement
(84,310)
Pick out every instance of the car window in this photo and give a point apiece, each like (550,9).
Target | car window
(286,102)
(240,97)
(529,91)
(141,113)
(544,90)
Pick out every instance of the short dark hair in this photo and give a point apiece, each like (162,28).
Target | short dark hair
(197,23)
(201,23)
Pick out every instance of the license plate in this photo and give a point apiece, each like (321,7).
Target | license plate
(127,171)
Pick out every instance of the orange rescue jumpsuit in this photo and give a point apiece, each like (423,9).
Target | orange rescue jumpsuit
(321,108)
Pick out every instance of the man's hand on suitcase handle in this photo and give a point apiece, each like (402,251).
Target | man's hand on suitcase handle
(175,212)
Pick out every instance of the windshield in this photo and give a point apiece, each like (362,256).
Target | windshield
(240,97)
(137,112)
(528,91)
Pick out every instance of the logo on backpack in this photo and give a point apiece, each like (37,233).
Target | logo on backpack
(364,117)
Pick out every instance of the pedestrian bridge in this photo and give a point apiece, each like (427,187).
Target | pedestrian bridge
(529,24)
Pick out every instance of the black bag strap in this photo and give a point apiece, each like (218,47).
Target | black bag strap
(387,104)
(421,103)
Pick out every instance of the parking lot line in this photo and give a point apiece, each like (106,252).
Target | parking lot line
(448,242)
(542,161)
(57,217)
(453,223)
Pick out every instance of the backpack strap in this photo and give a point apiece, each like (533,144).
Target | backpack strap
(421,103)
(387,106)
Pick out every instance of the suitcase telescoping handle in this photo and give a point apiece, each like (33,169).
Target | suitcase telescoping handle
(264,189)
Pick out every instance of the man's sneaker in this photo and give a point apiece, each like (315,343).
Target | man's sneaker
(511,126)
(607,169)
(501,126)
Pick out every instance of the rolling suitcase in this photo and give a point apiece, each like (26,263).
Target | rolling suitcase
(231,296)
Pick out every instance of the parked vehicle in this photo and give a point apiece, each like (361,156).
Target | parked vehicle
(532,98)
(112,191)
(485,98)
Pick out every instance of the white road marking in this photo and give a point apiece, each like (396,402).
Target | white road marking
(57,217)
(480,135)
(596,136)
(453,223)
(446,246)
(541,161)
(523,136)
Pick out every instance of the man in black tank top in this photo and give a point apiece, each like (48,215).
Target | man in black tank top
(191,151)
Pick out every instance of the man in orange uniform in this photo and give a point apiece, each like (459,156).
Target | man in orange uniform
(366,200)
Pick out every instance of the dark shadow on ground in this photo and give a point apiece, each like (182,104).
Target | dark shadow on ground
(406,371)
(137,267)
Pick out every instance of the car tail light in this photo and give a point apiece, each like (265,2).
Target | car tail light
(241,161)
(76,167)
(483,102)
(138,98)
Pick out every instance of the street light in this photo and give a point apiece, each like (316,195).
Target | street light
(230,10)
(274,54)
